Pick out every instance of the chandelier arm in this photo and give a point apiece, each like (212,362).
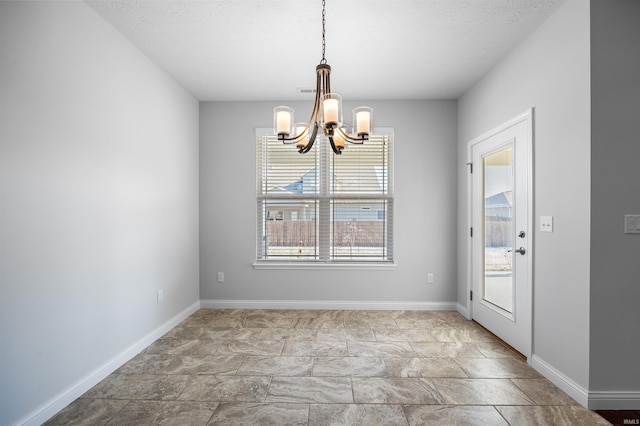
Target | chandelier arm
(289,141)
(327,82)
(309,145)
(354,140)
(333,146)
(316,102)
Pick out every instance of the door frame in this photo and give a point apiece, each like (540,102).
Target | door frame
(527,117)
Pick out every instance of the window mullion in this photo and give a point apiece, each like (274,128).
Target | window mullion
(324,222)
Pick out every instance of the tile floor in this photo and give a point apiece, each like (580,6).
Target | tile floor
(300,367)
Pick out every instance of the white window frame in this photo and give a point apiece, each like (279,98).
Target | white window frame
(323,198)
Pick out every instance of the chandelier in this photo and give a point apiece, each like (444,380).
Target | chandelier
(326,115)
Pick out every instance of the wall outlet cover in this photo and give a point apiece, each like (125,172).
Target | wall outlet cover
(546,223)
(632,224)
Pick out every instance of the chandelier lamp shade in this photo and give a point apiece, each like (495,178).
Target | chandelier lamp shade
(326,115)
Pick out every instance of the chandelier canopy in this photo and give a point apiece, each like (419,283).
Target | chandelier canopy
(326,115)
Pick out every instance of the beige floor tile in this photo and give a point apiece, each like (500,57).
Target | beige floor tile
(319,323)
(324,348)
(234,414)
(543,392)
(380,349)
(406,335)
(488,368)
(446,350)
(356,415)
(442,415)
(317,367)
(311,390)
(376,390)
(481,392)
(456,334)
(176,413)
(349,366)
(139,386)
(309,334)
(240,347)
(551,416)
(191,364)
(356,334)
(276,366)
(423,367)
(495,350)
(88,412)
(225,389)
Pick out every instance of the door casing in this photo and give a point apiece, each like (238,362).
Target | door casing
(526,117)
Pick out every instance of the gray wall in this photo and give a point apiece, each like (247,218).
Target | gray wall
(98,197)
(425,197)
(615,152)
(550,72)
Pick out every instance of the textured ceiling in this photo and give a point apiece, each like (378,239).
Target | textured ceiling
(378,49)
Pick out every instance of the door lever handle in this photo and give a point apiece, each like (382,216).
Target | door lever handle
(521,250)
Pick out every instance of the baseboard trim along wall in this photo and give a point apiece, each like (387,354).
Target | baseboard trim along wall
(462,310)
(594,400)
(327,304)
(574,390)
(60,401)
(607,400)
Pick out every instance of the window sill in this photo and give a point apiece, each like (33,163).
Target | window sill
(373,266)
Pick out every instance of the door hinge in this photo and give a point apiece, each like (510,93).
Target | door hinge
(471,295)
(470,167)
(471,231)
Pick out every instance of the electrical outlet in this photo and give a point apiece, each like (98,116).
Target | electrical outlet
(220,277)
(632,224)
(160,296)
(430,278)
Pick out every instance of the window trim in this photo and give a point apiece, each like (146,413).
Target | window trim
(333,264)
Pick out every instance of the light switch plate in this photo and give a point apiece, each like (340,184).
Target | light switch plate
(632,224)
(546,223)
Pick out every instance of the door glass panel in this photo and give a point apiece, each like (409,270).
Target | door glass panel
(498,228)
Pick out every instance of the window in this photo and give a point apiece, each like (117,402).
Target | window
(324,208)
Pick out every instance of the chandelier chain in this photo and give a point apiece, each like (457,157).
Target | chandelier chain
(324,60)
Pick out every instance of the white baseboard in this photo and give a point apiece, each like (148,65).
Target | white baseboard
(607,400)
(327,304)
(462,310)
(593,400)
(566,384)
(60,401)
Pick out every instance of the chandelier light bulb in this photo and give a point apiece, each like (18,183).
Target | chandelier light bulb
(301,132)
(362,117)
(332,110)
(283,118)
(338,140)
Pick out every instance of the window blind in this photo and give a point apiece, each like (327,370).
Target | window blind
(322,207)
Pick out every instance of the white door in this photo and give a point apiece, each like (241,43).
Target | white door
(501,241)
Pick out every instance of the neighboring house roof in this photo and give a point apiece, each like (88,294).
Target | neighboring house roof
(294,187)
(503,199)
(366,179)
